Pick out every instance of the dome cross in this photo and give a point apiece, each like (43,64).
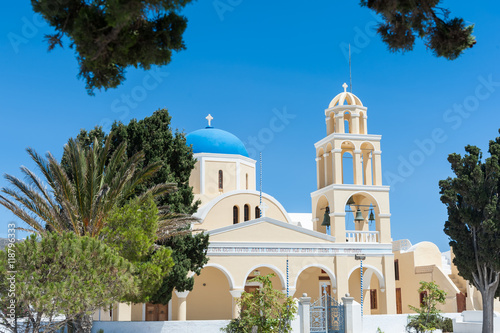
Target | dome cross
(209,118)
(345,87)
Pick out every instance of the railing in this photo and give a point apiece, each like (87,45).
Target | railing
(362,236)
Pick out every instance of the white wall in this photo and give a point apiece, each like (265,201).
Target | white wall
(391,323)
(192,326)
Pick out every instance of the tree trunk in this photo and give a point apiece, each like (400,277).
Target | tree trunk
(488,297)
(83,323)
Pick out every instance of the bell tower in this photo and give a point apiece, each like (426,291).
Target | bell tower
(349,176)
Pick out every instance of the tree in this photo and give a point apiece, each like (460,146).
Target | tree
(265,309)
(189,255)
(59,274)
(109,36)
(79,202)
(473,225)
(132,231)
(405,20)
(428,318)
(155,138)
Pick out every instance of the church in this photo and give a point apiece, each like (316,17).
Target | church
(343,246)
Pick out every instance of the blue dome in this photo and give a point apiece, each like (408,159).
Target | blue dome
(213,140)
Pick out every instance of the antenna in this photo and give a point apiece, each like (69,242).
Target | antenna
(350,75)
(260,167)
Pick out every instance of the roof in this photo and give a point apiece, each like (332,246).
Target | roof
(213,140)
(345,98)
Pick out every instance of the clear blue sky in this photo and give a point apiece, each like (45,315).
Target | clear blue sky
(259,56)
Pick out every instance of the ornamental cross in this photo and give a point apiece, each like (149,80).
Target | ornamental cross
(209,118)
(345,87)
(263,207)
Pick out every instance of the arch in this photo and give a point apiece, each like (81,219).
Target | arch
(347,167)
(365,194)
(203,211)
(276,270)
(225,272)
(236,214)
(332,277)
(246,212)
(347,122)
(374,270)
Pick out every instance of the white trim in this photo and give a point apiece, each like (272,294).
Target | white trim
(378,273)
(346,107)
(350,187)
(182,294)
(384,215)
(224,271)
(226,158)
(377,152)
(205,209)
(347,136)
(332,276)
(276,270)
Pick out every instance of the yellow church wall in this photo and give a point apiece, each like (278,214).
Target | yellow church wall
(221,215)
(212,177)
(194,178)
(250,172)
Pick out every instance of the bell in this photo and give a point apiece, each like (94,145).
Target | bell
(359,216)
(372,217)
(350,202)
(326,218)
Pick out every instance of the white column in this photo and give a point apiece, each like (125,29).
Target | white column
(339,118)
(325,159)
(337,166)
(358,177)
(235,306)
(352,315)
(182,312)
(377,167)
(304,313)
(317,172)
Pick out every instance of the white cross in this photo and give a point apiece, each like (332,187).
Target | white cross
(345,87)
(263,209)
(209,118)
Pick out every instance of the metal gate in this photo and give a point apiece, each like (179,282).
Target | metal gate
(327,315)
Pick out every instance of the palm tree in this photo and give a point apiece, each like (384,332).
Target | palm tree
(78,200)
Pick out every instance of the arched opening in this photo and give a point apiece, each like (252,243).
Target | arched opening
(246,212)
(311,281)
(347,168)
(221,180)
(347,162)
(278,281)
(235,214)
(362,215)
(320,213)
(210,298)
(347,122)
(373,289)
(257,212)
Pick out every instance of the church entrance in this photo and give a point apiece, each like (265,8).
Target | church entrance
(156,312)
(327,315)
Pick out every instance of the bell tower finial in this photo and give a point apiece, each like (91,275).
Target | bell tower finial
(345,87)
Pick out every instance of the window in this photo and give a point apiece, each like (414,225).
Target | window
(235,214)
(246,213)
(396,270)
(257,212)
(221,180)
(373,299)
(246,179)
